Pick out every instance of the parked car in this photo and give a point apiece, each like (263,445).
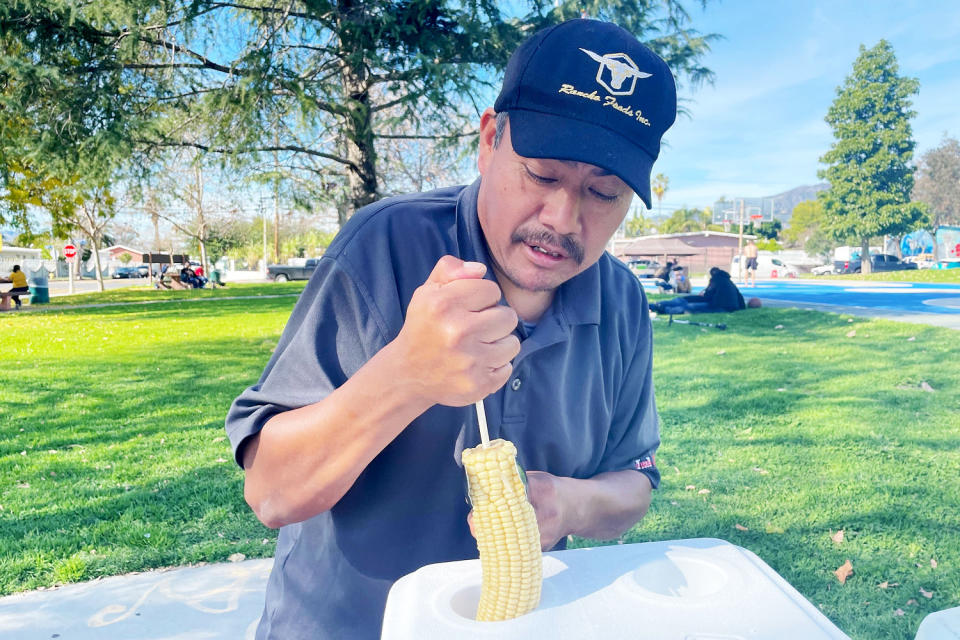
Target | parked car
(822,270)
(923,261)
(144,270)
(125,272)
(643,267)
(878,262)
(285,272)
(767,267)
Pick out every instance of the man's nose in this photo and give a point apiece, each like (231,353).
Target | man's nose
(561,212)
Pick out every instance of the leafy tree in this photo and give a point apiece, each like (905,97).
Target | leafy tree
(325,84)
(636,226)
(868,166)
(221,239)
(938,182)
(686,220)
(94,206)
(659,186)
(36,240)
(184,184)
(807,217)
(307,244)
(767,229)
(806,229)
(26,189)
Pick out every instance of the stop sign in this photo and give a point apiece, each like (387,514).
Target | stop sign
(70,251)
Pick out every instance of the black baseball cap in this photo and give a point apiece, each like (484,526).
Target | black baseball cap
(589,91)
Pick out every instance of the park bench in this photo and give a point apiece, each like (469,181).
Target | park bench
(5,301)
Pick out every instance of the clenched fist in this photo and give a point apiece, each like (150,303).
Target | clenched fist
(457,339)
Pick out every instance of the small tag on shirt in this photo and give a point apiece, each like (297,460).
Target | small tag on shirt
(646,462)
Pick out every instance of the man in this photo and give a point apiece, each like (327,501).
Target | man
(19,280)
(188,276)
(750,252)
(424,304)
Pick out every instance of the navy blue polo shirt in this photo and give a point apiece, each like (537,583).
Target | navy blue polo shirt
(580,402)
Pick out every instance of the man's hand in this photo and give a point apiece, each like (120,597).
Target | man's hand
(545,493)
(602,507)
(457,340)
(542,491)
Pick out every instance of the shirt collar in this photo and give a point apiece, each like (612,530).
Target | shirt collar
(577,300)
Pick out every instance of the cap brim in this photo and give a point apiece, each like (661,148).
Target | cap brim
(542,135)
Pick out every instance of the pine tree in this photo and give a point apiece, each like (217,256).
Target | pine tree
(868,166)
(113,83)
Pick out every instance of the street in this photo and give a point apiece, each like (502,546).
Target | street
(60,286)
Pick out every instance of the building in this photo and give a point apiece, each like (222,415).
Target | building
(766,209)
(115,252)
(19,254)
(696,250)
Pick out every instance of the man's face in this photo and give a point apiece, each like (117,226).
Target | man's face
(544,220)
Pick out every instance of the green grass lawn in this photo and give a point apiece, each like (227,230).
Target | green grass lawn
(801,431)
(113,456)
(144,293)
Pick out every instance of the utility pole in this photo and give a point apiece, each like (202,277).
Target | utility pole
(740,245)
(263,218)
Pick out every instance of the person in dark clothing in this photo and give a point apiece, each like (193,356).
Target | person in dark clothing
(186,276)
(189,277)
(720,295)
(351,440)
(664,272)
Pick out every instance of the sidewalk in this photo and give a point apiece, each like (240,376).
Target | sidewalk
(209,602)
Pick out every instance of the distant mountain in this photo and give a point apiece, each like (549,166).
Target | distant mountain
(783,203)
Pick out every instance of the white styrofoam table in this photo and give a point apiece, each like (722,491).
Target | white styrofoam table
(942,625)
(698,589)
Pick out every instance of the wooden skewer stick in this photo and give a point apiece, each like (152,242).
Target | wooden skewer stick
(482,421)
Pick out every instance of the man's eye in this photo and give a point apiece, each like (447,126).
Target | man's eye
(539,178)
(604,196)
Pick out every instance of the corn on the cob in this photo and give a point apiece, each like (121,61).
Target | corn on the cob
(507,534)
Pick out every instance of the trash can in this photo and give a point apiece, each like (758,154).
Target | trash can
(39,286)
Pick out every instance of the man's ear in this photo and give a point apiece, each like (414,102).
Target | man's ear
(488,131)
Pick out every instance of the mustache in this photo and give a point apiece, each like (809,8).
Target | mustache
(570,246)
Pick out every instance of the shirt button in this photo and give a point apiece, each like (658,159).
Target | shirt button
(515,385)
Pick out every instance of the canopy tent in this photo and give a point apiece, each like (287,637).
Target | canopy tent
(658,247)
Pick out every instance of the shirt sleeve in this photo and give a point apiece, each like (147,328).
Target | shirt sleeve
(331,333)
(635,431)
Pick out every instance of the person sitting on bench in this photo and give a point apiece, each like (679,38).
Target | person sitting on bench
(720,295)
(19,280)
(189,277)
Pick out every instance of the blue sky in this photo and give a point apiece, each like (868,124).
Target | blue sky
(759,130)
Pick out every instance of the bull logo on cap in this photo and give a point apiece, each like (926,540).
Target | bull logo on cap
(621,67)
